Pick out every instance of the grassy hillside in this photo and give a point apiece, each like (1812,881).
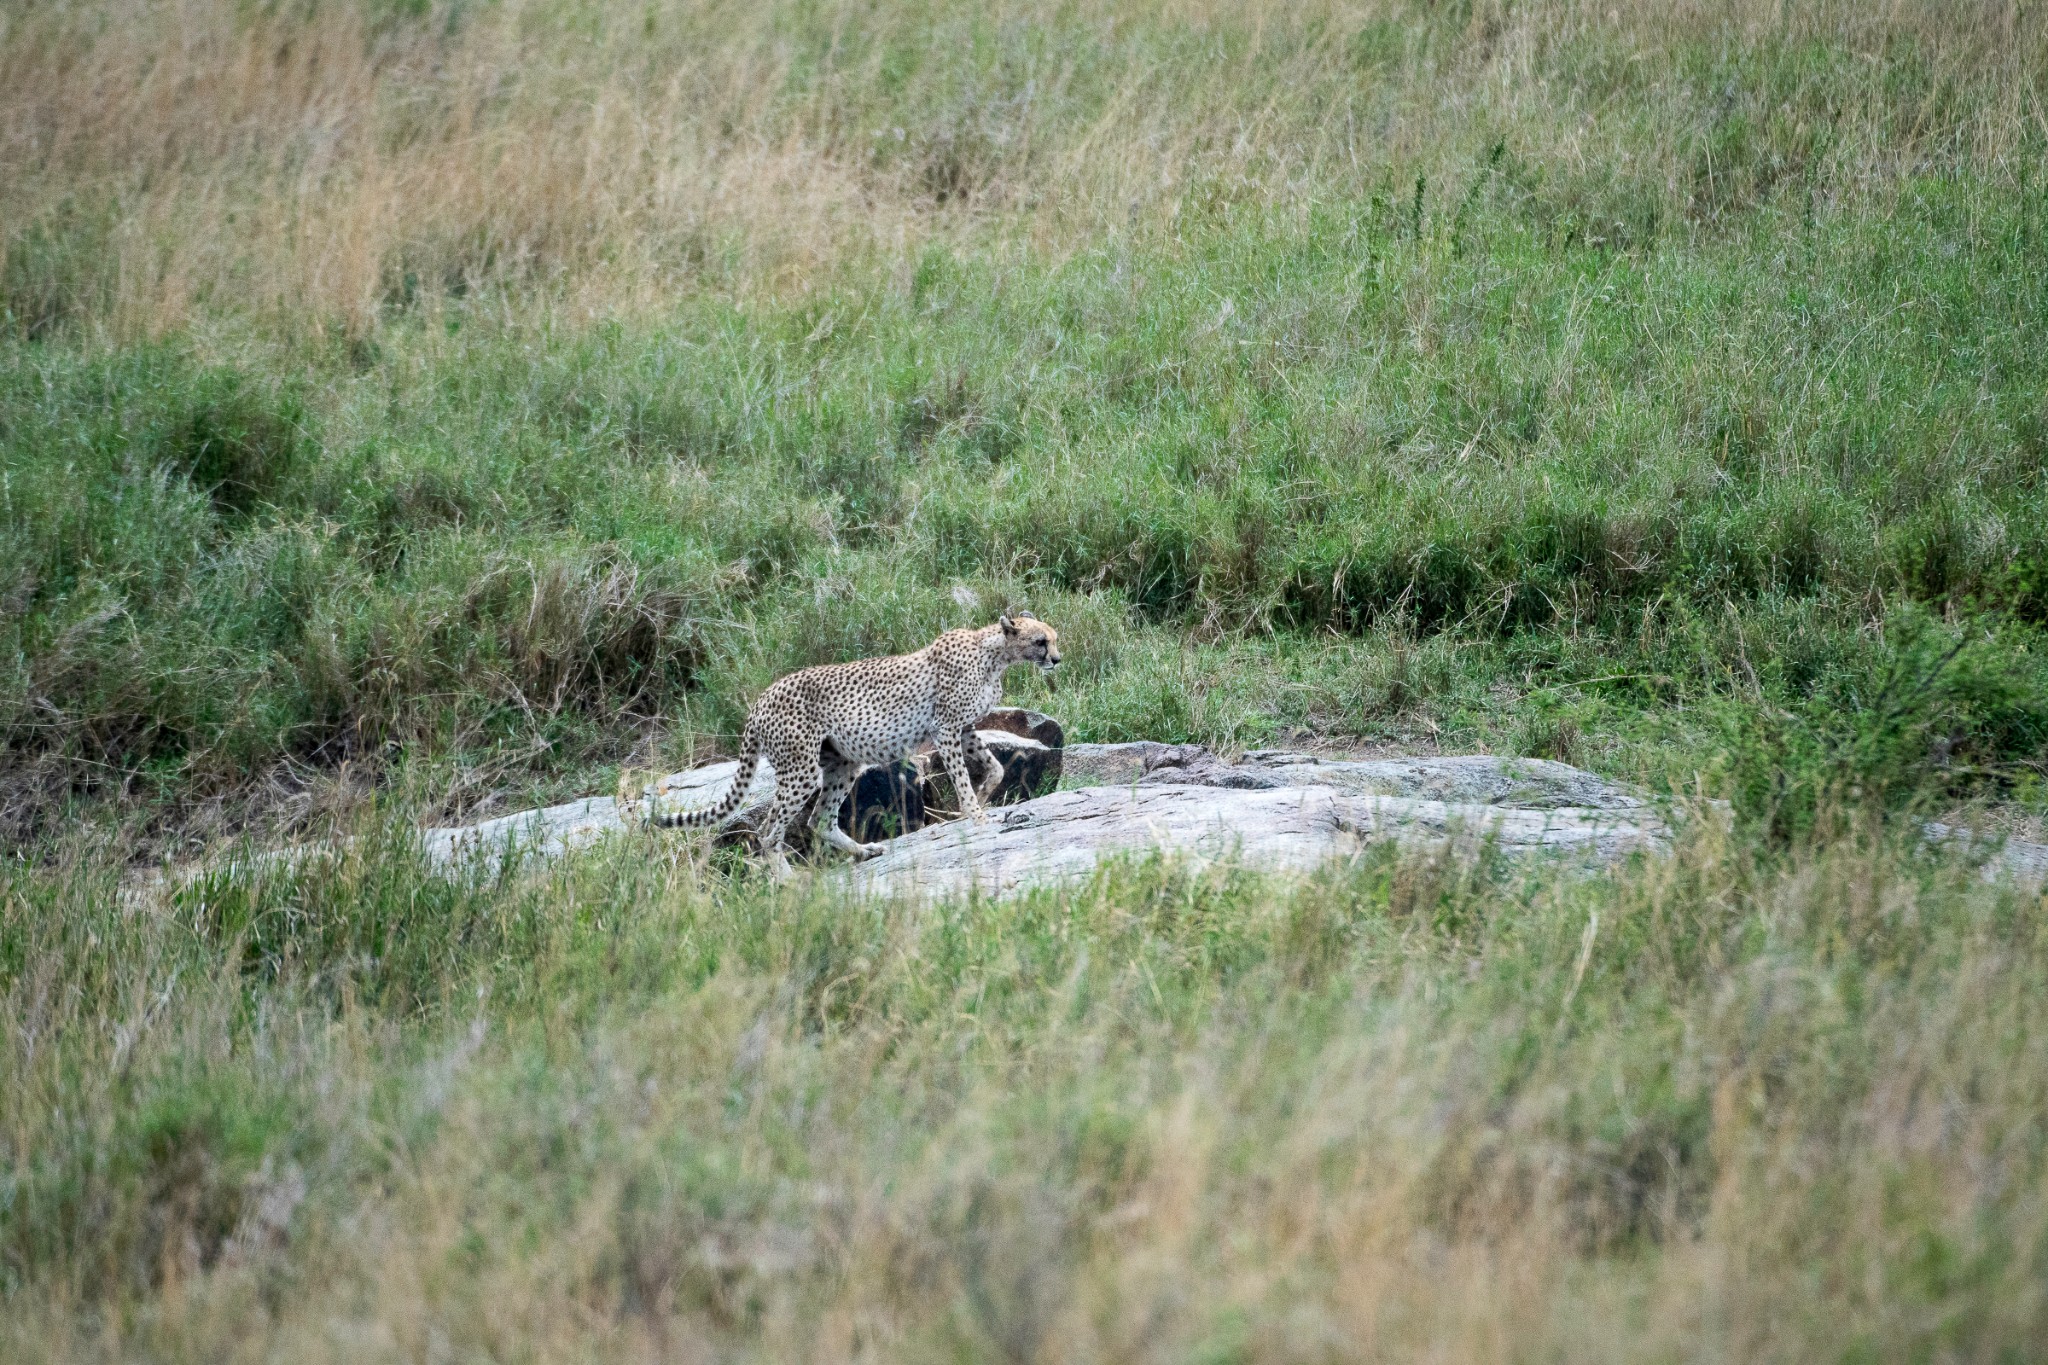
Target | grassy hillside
(412,411)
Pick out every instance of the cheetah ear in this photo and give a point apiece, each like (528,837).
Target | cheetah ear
(1009,626)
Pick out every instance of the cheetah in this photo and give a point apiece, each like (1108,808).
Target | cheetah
(819,727)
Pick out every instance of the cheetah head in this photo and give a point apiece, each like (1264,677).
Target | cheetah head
(1028,640)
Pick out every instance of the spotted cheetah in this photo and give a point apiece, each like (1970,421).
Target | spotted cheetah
(819,727)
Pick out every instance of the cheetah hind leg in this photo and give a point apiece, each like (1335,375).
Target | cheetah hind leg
(846,843)
(797,776)
(839,782)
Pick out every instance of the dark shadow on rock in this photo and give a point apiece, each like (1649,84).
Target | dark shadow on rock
(1029,745)
(886,803)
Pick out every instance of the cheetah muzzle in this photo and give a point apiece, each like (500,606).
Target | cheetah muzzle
(819,727)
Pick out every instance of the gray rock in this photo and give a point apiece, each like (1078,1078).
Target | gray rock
(1191,765)
(548,833)
(1275,808)
(1478,779)
(1271,809)
(1292,829)
(2025,862)
(1104,763)
(555,830)
(1026,742)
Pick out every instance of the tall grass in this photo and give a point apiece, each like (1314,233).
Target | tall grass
(1721,1106)
(1695,472)
(473,396)
(323,163)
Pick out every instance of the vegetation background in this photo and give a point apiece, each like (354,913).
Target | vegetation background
(413,411)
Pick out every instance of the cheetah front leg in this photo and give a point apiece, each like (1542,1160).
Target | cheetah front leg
(948,742)
(991,767)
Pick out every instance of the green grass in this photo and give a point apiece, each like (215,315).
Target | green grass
(1585,454)
(1711,1106)
(431,409)
(1696,471)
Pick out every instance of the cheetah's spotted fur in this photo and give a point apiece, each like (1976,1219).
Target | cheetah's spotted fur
(819,727)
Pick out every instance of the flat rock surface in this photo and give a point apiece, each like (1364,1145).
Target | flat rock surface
(1472,779)
(2020,859)
(554,830)
(1282,828)
(1271,809)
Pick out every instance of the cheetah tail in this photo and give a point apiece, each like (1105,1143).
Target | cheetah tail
(750,759)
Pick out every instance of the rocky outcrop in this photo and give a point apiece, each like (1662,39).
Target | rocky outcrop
(885,803)
(1998,856)
(1213,810)
(1275,810)
(1271,809)
(1481,779)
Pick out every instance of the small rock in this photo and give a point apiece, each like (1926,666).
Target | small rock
(1191,765)
(1111,763)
